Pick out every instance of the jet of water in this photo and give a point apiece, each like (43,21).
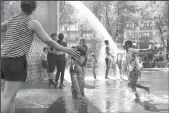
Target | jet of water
(96,24)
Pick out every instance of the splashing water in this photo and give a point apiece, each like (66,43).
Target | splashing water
(97,25)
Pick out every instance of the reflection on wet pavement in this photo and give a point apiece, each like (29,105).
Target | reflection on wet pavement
(103,96)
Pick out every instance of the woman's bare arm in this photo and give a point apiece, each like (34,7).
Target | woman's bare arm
(37,28)
(4,26)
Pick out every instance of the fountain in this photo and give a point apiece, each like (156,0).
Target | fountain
(104,35)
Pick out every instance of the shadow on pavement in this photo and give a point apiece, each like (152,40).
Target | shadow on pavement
(58,106)
(147,105)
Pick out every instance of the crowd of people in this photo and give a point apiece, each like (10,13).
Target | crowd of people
(20,30)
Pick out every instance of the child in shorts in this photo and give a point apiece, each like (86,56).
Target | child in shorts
(77,78)
(133,67)
(44,63)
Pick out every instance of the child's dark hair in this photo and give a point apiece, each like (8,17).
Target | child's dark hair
(45,48)
(28,6)
(83,40)
(128,42)
(106,42)
(80,49)
(60,36)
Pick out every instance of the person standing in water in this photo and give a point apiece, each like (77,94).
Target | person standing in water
(20,30)
(44,63)
(51,58)
(83,44)
(77,79)
(94,65)
(108,58)
(60,61)
(133,67)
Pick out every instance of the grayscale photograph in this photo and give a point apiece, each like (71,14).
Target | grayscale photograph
(84,56)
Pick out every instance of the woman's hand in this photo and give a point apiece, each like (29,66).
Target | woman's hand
(73,53)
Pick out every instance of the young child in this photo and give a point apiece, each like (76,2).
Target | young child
(77,78)
(108,58)
(133,67)
(94,65)
(44,63)
(119,63)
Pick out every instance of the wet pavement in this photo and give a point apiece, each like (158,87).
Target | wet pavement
(102,96)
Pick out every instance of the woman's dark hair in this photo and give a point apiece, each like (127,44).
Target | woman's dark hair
(28,6)
(60,36)
(106,42)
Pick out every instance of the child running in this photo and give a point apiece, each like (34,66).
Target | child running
(133,67)
(77,78)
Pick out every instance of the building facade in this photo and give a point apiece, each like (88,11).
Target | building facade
(143,35)
(74,32)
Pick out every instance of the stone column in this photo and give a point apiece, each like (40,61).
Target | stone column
(52,16)
(58,26)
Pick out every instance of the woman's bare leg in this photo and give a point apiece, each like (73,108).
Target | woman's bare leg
(10,90)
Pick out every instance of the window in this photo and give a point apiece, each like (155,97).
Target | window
(151,35)
(136,36)
(132,26)
(148,35)
(127,35)
(127,26)
(139,35)
(131,35)
(142,35)
(151,26)
(146,27)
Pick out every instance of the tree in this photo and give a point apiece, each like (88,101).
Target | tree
(127,11)
(157,10)
(66,13)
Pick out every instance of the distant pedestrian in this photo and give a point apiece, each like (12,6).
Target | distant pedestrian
(44,63)
(51,58)
(60,62)
(108,58)
(94,65)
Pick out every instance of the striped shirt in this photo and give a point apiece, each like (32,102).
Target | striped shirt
(18,38)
